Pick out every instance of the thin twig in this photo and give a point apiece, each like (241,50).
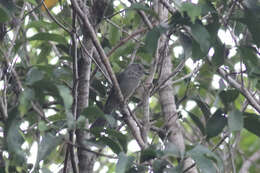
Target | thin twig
(91,151)
(123,41)
(55,20)
(105,60)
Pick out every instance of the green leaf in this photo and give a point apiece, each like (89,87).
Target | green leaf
(228,96)
(148,154)
(139,6)
(48,143)
(193,10)
(177,169)
(81,122)
(159,166)
(34,75)
(253,24)
(24,100)
(249,55)
(14,138)
(186,42)
(124,50)
(92,113)
(201,35)
(197,53)
(65,94)
(114,35)
(172,150)
(124,163)
(48,37)
(4,16)
(6,10)
(235,120)
(40,24)
(32,2)
(151,40)
(121,138)
(45,170)
(252,123)
(204,107)
(219,54)
(198,123)
(45,51)
(115,147)
(204,157)
(215,124)
(42,126)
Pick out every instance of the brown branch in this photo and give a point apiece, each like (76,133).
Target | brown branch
(91,151)
(55,20)
(245,92)
(123,41)
(246,164)
(105,60)
(168,6)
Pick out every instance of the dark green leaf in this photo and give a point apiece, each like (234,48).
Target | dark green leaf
(186,42)
(177,169)
(45,170)
(204,107)
(193,10)
(26,96)
(65,94)
(159,166)
(34,75)
(122,139)
(6,10)
(139,6)
(252,123)
(45,51)
(251,60)
(197,122)
(65,49)
(201,35)
(115,147)
(215,124)
(228,96)
(172,150)
(123,50)
(32,2)
(204,157)
(152,37)
(42,126)
(219,54)
(124,163)
(148,154)
(48,37)
(40,24)
(253,23)
(235,120)
(14,138)
(92,113)
(48,143)
(114,35)
(4,17)
(197,53)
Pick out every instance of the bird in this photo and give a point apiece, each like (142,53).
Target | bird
(128,81)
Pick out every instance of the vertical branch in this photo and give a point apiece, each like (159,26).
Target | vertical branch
(74,54)
(103,56)
(167,94)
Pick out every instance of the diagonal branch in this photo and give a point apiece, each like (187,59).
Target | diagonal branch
(111,73)
(239,87)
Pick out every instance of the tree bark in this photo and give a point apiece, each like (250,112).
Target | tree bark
(166,94)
